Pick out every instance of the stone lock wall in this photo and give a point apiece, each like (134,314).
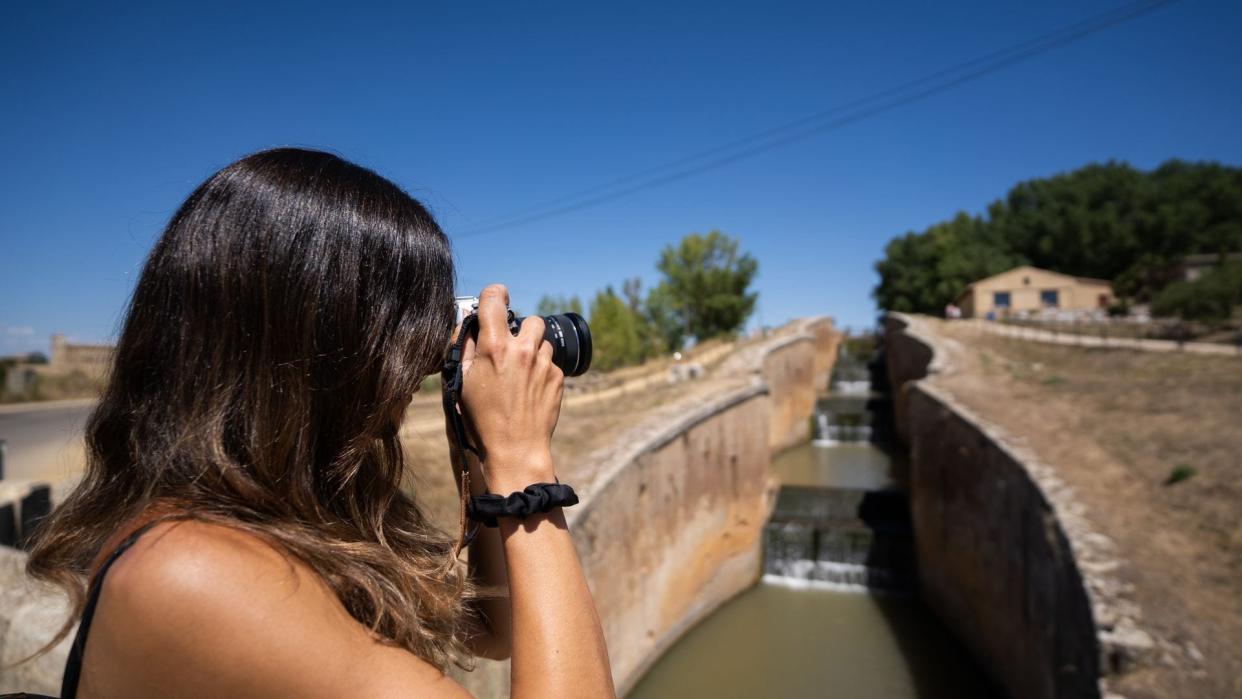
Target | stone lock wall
(796,370)
(827,341)
(994,561)
(675,532)
(1006,555)
(908,358)
(789,371)
(795,363)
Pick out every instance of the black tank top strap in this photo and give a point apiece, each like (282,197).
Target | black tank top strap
(73,666)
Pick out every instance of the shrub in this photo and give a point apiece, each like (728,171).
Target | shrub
(1180,473)
(1211,297)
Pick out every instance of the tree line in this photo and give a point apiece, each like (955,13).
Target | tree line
(703,292)
(1107,221)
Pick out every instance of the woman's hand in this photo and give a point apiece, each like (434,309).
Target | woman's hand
(511,396)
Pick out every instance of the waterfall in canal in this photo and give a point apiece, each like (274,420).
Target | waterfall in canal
(833,428)
(840,521)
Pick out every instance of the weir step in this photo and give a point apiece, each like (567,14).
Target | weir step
(851,537)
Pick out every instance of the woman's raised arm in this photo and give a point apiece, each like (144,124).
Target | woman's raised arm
(512,395)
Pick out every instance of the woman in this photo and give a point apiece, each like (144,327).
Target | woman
(242,496)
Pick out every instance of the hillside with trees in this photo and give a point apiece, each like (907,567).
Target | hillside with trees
(1107,221)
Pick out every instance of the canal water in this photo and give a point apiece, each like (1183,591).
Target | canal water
(835,614)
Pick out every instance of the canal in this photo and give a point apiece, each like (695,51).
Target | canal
(835,613)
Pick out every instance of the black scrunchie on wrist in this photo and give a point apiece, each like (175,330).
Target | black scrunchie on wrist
(537,497)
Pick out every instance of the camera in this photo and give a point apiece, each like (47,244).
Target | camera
(568,334)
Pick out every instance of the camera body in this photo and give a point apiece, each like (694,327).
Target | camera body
(568,333)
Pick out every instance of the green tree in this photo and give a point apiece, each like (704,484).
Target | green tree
(1109,221)
(551,305)
(614,332)
(665,327)
(706,283)
(632,289)
(653,316)
(921,272)
(1212,297)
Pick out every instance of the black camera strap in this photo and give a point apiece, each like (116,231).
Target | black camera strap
(451,382)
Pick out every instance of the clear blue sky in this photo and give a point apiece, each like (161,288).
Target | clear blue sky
(112,115)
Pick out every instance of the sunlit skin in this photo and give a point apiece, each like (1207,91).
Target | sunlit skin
(201,610)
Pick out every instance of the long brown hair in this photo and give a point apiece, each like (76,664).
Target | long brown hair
(282,323)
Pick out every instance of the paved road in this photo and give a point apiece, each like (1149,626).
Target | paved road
(44,440)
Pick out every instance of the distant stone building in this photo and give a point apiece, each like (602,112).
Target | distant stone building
(88,364)
(1195,266)
(66,358)
(1029,289)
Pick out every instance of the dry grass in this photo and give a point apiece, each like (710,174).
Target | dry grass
(48,386)
(1153,412)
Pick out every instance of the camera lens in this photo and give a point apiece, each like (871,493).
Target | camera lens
(570,338)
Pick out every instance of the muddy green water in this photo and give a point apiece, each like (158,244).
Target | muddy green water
(773,641)
(777,640)
(854,465)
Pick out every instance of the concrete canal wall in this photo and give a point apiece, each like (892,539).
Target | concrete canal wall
(1006,556)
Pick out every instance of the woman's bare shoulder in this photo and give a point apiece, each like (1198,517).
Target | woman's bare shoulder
(201,608)
(183,560)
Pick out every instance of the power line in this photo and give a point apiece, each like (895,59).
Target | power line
(806,127)
(818,116)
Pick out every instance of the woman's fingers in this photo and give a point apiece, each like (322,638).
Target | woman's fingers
(493,316)
(531,333)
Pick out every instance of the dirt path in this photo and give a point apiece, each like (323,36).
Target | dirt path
(1117,425)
